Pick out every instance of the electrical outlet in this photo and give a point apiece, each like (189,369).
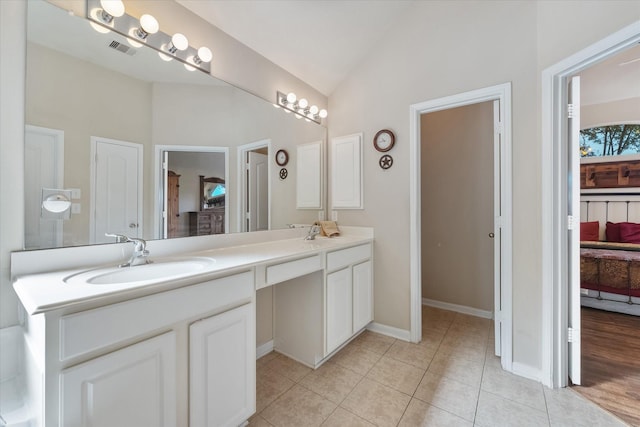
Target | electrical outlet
(75,193)
(320,215)
(334,215)
(75,208)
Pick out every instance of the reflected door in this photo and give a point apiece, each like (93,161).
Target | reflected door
(44,167)
(116,189)
(258,192)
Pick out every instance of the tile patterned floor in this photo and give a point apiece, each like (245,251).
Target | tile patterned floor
(451,378)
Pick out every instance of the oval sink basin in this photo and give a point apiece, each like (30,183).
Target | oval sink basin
(154,272)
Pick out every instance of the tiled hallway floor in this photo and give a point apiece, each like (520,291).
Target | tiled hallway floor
(451,378)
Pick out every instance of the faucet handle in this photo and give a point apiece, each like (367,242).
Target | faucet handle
(120,238)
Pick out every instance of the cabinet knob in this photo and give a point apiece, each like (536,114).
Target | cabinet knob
(492,235)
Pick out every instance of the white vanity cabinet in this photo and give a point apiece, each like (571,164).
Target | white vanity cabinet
(135,386)
(349,294)
(181,357)
(222,376)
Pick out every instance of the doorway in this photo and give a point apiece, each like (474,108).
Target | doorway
(457,191)
(501,94)
(557,219)
(183,166)
(253,176)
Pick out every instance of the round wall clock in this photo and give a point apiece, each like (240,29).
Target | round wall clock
(384,140)
(282,157)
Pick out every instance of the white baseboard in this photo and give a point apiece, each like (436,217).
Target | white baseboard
(526,371)
(401,334)
(264,349)
(458,308)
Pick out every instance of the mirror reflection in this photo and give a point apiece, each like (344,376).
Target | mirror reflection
(134,139)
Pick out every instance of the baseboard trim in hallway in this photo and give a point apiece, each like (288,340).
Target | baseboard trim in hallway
(458,308)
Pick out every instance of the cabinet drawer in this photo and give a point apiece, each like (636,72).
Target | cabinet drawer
(288,270)
(91,330)
(344,257)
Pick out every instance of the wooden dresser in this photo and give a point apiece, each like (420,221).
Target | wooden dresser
(210,221)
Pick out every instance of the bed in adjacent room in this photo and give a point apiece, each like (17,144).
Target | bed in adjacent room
(610,254)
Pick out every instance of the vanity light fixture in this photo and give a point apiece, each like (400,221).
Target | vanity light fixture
(109,15)
(291,104)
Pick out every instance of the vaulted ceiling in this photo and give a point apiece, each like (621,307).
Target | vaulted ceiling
(318,41)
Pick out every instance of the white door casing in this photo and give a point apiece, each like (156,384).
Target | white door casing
(44,168)
(555,166)
(573,113)
(497,229)
(503,222)
(116,189)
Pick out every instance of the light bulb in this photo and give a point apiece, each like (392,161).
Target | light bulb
(178,42)
(301,111)
(204,55)
(148,25)
(114,8)
(164,57)
(323,113)
(298,116)
(132,38)
(99,28)
(313,110)
(303,103)
(291,97)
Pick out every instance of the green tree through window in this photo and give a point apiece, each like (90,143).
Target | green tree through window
(613,140)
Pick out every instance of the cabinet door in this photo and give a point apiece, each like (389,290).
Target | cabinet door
(362,295)
(135,386)
(339,308)
(222,368)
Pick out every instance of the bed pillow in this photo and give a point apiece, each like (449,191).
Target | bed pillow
(590,231)
(612,231)
(629,232)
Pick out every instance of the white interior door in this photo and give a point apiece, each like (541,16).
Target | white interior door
(574,230)
(116,189)
(44,168)
(258,191)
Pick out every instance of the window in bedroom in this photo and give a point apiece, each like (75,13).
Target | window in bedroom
(612,140)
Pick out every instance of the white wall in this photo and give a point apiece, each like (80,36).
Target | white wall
(608,113)
(447,47)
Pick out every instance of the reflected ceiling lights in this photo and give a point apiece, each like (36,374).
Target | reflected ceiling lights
(300,107)
(106,15)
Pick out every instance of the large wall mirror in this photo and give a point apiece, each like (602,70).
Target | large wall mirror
(123,137)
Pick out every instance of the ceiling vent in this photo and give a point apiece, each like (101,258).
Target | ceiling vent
(122,48)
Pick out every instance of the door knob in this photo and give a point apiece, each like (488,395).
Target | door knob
(491,235)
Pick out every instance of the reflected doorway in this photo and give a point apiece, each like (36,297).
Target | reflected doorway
(179,208)
(255,201)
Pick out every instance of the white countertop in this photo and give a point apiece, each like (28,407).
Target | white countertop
(47,291)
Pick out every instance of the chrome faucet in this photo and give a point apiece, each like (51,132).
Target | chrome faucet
(140,252)
(314,230)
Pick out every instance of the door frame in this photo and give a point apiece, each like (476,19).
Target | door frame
(92,203)
(242,180)
(502,94)
(555,268)
(158,201)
